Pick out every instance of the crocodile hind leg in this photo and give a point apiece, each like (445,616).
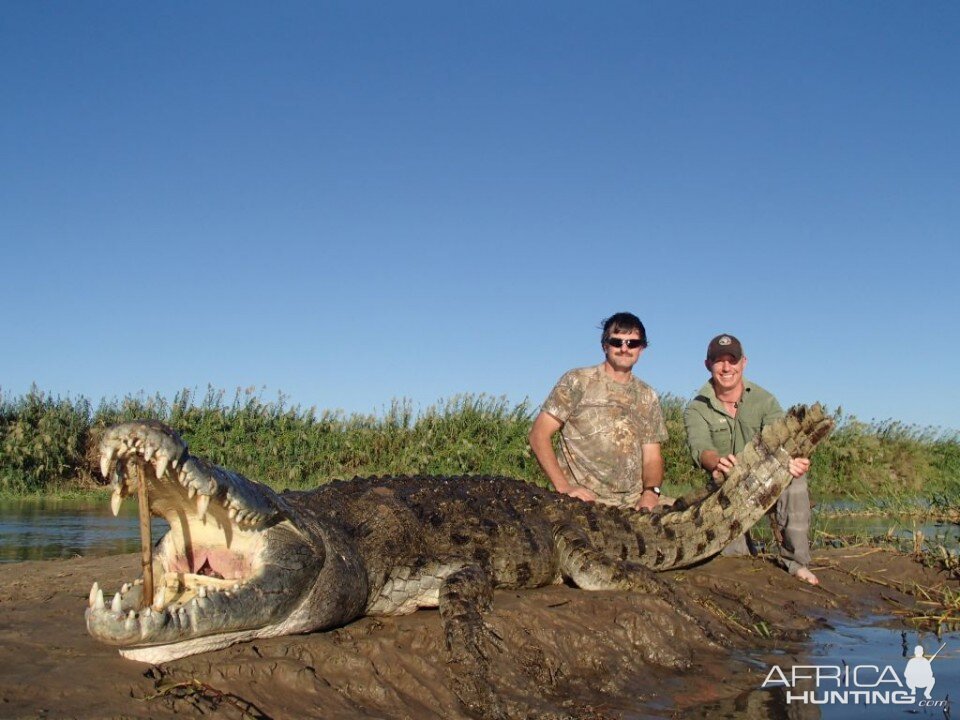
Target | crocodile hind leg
(589,569)
(465,596)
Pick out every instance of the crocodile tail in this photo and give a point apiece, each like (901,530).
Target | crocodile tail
(698,528)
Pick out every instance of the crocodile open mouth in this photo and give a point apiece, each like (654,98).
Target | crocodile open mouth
(230,563)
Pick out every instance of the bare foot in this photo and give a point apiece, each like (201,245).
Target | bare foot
(807,576)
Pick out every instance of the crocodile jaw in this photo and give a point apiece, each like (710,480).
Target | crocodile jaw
(241,588)
(231,568)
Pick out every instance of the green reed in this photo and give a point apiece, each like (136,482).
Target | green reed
(48,444)
(887,460)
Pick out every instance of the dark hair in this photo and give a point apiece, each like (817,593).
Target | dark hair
(623,322)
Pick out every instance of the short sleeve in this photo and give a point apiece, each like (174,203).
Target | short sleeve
(565,396)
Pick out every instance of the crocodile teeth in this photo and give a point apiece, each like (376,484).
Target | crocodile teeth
(191,491)
(93,593)
(161,465)
(148,451)
(203,501)
(98,603)
(106,461)
(115,501)
(117,604)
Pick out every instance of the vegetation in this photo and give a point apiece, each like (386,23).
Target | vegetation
(48,444)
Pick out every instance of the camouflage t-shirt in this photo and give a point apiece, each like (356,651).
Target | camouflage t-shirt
(605,426)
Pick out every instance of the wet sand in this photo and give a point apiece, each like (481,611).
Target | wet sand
(562,652)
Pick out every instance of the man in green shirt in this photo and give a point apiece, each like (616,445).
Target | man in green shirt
(724,416)
(610,424)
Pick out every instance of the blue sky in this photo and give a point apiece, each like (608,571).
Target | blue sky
(352,202)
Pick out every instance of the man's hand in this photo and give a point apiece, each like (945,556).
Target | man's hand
(581,493)
(647,501)
(723,468)
(798,466)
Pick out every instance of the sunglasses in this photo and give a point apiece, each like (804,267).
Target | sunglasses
(632,343)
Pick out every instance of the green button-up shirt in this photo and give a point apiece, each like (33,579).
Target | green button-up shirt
(711,427)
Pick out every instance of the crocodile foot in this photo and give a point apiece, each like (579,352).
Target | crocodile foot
(465,597)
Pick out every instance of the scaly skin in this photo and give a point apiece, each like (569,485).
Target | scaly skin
(242,562)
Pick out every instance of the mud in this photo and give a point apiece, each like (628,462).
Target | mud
(560,652)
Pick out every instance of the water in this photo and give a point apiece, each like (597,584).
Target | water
(901,527)
(47,529)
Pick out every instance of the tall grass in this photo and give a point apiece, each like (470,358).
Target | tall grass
(48,444)
(887,459)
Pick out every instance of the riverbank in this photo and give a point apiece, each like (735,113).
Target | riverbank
(565,651)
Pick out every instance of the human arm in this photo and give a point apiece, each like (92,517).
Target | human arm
(652,475)
(700,443)
(540,442)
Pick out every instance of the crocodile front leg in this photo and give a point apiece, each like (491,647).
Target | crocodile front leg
(463,592)
(464,597)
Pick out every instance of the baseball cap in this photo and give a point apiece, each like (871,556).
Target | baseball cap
(724,345)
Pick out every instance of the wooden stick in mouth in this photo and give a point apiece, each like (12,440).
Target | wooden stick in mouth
(146,542)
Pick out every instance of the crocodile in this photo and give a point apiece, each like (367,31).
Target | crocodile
(242,561)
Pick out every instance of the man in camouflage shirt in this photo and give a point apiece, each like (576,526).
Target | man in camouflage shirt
(610,425)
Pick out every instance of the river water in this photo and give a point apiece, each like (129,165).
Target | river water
(46,529)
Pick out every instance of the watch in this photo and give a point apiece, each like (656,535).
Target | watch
(654,490)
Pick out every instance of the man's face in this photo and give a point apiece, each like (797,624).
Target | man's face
(726,372)
(623,358)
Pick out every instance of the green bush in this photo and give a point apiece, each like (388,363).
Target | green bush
(42,441)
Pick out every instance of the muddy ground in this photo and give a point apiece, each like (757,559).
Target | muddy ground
(564,652)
